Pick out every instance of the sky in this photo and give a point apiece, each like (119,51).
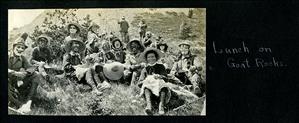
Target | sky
(20,17)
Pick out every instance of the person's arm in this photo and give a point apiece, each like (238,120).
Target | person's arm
(128,25)
(143,74)
(26,64)
(163,71)
(174,68)
(50,57)
(65,61)
(35,54)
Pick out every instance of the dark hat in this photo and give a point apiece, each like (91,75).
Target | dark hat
(138,42)
(68,45)
(74,24)
(21,40)
(43,36)
(143,56)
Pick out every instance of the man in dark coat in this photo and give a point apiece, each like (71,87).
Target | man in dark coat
(22,78)
(124,26)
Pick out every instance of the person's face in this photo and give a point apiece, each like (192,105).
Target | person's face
(95,29)
(106,47)
(73,29)
(162,47)
(43,42)
(18,50)
(117,44)
(148,35)
(151,58)
(135,47)
(75,46)
(184,49)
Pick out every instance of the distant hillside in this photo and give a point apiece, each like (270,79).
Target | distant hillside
(106,18)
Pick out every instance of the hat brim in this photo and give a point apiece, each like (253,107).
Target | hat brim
(46,37)
(113,71)
(68,45)
(23,44)
(76,25)
(138,42)
(142,57)
(113,41)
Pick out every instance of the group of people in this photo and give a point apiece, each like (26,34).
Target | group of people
(104,59)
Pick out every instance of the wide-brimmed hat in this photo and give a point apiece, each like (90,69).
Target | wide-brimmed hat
(187,42)
(115,40)
(114,70)
(138,42)
(43,36)
(68,45)
(76,25)
(162,43)
(93,25)
(142,57)
(21,40)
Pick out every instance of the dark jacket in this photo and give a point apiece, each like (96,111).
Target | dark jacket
(124,26)
(150,70)
(43,54)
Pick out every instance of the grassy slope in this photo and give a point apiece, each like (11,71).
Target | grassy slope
(123,100)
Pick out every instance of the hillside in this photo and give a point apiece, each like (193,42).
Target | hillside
(123,100)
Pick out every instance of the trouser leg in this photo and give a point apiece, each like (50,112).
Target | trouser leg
(162,100)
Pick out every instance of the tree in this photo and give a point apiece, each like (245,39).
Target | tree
(54,25)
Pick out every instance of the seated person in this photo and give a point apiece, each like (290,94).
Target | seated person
(92,38)
(23,80)
(118,51)
(72,62)
(148,39)
(152,77)
(41,54)
(132,64)
(185,66)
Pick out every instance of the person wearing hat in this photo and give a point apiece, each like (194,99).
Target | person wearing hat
(41,54)
(92,38)
(72,57)
(22,78)
(152,78)
(124,27)
(158,40)
(142,29)
(132,63)
(106,55)
(185,66)
(74,30)
(148,39)
(168,59)
(77,72)
(118,50)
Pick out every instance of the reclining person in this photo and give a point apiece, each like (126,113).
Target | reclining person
(152,78)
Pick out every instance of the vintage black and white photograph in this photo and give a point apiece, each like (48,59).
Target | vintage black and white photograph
(107,61)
